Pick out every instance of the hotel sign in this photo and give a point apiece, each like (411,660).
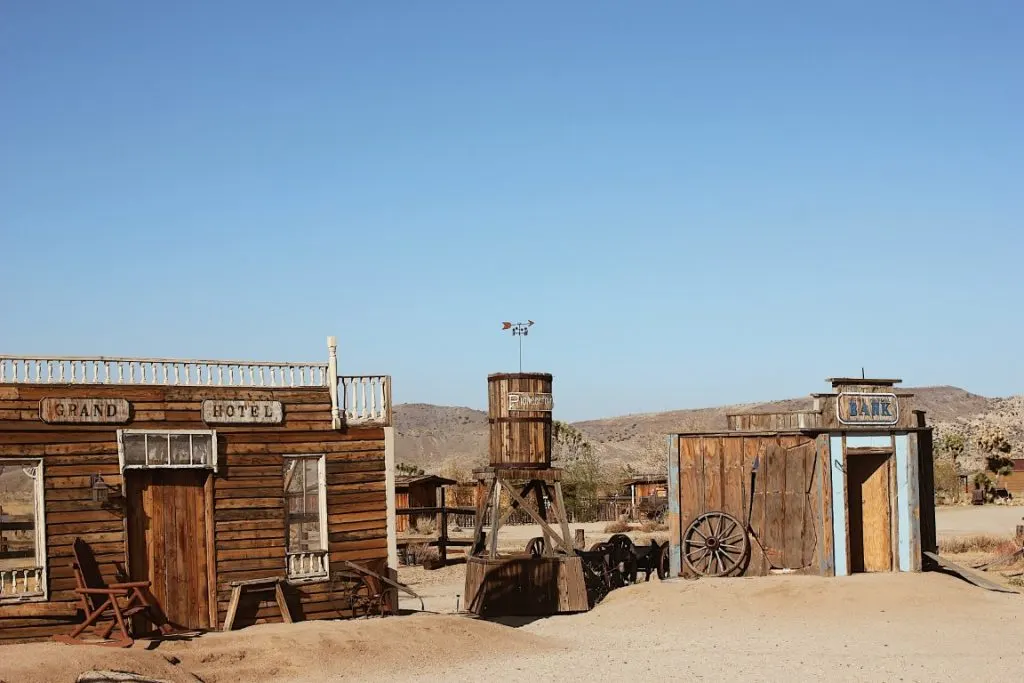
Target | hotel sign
(242,412)
(864,408)
(527,401)
(84,410)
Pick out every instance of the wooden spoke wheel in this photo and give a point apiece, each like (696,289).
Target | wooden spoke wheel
(715,544)
(536,546)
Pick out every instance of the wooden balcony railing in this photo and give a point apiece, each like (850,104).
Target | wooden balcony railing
(22,584)
(311,564)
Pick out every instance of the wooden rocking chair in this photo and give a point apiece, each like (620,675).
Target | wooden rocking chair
(117,602)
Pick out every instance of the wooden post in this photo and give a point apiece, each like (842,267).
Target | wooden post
(538,489)
(332,381)
(1020,534)
(580,540)
(442,541)
(496,514)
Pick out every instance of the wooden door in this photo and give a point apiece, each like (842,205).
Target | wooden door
(167,541)
(870,512)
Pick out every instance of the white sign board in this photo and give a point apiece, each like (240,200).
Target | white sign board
(529,401)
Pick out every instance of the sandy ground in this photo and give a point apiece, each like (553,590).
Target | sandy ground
(882,627)
(966,520)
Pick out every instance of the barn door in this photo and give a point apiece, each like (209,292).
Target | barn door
(868,478)
(167,541)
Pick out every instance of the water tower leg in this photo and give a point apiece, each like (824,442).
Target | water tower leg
(562,512)
(538,489)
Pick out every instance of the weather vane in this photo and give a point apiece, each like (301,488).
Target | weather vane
(519,330)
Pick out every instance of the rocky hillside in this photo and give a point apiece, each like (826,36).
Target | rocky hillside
(452,440)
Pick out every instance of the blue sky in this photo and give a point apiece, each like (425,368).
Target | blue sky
(699,203)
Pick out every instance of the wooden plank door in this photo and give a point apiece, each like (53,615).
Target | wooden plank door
(870,512)
(167,541)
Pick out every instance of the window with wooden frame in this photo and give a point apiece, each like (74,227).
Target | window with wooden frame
(22,531)
(305,497)
(143,449)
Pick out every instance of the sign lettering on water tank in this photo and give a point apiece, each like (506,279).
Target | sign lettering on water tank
(865,408)
(530,401)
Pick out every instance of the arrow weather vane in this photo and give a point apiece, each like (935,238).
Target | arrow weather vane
(519,330)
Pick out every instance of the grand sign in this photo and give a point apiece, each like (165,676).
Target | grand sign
(84,410)
(524,400)
(864,408)
(242,412)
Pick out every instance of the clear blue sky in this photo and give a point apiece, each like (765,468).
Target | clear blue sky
(698,202)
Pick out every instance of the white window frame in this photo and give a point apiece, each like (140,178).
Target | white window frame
(212,465)
(322,512)
(40,529)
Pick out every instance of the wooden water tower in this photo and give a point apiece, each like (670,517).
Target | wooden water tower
(546,579)
(519,414)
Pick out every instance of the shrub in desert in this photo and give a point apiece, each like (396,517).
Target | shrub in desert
(616,527)
(426,526)
(978,543)
(650,526)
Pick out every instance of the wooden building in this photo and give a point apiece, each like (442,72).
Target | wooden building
(844,487)
(1014,481)
(422,491)
(648,495)
(191,474)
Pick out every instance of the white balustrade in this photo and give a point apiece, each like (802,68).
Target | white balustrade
(366,399)
(179,372)
(22,583)
(307,565)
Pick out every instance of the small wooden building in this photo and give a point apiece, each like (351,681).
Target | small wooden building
(1014,481)
(192,474)
(647,496)
(421,491)
(844,487)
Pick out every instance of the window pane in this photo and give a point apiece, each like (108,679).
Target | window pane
(202,449)
(302,500)
(180,449)
(135,449)
(18,516)
(156,449)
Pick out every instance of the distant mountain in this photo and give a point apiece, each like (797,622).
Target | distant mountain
(454,439)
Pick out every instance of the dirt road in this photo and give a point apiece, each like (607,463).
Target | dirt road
(999,520)
(882,627)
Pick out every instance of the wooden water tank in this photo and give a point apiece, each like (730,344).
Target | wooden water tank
(519,412)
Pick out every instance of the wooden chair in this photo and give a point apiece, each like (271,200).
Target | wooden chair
(117,602)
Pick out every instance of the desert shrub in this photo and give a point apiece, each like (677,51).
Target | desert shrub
(426,526)
(616,527)
(651,525)
(947,479)
(979,543)
(418,553)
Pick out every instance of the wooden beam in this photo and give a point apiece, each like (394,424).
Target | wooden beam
(566,544)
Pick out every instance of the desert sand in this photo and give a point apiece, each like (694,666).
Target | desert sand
(880,627)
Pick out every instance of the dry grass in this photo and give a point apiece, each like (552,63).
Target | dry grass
(426,526)
(979,543)
(616,528)
(651,526)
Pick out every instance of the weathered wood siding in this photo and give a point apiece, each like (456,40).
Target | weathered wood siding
(756,422)
(519,438)
(415,496)
(785,500)
(648,489)
(247,518)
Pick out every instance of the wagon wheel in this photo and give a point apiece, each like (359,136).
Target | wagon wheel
(536,546)
(662,562)
(715,544)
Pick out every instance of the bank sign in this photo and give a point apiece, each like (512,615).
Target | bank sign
(863,408)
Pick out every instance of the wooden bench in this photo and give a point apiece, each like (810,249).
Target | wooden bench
(256,585)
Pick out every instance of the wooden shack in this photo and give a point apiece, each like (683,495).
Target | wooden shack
(420,491)
(841,488)
(192,474)
(648,495)
(1014,481)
